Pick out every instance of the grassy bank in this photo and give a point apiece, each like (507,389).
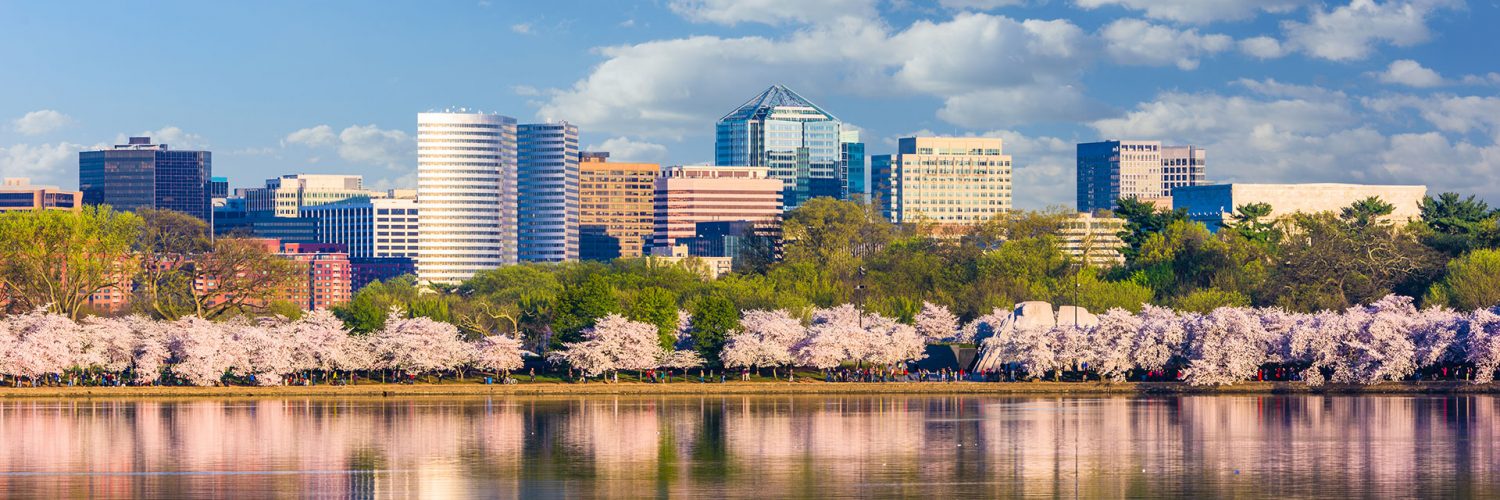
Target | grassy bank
(740,388)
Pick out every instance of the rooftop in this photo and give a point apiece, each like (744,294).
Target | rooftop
(774,97)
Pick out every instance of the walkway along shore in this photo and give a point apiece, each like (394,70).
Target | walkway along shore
(748,388)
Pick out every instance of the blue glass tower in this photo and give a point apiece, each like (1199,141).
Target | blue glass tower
(793,138)
(145,175)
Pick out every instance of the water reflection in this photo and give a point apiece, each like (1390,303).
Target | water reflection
(1273,446)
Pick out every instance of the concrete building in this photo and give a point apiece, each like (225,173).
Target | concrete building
(1214,205)
(615,201)
(369,227)
(687,195)
(466,194)
(1093,239)
(329,277)
(1145,170)
(547,195)
(950,181)
(286,195)
(678,255)
(18,193)
(797,143)
(145,175)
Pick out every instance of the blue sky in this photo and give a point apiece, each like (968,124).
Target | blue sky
(1385,91)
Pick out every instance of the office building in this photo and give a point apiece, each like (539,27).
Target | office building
(144,175)
(328,274)
(854,170)
(300,230)
(547,195)
(677,255)
(369,227)
(1111,170)
(687,195)
(1215,204)
(1094,239)
(615,206)
(949,181)
(363,271)
(18,193)
(218,187)
(286,195)
(796,142)
(466,196)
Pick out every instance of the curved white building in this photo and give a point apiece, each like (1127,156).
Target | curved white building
(466,178)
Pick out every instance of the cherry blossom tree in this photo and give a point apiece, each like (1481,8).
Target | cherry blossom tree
(765,339)
(322,343)
(1226,346)
(265,353)
(613,344)
(43,343)
(150,349)
(419,345)
(894,342)
(681,359)
(1160,339)
(1439,336)
(201,352)
(1483,347)
(107,344)
(835,336)
(1113,343)
(935,323)
(498,353)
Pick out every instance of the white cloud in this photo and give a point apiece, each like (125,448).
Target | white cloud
(1139,43)
(522,28)
(321,135)
(171,136)
(1411,74)
(370,144)
(1199,11)
(979,4)
(43,163)
(629,150)
(1262,47)
(670,88)
(1013,106)
(41,121)
(1486,79)
(732,12)
(1351,32)
(1450,113)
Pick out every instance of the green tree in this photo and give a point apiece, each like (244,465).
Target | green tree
(1471,282)
(1142,219)
(1367,212)
(243,277)
(60,258)
(714,317)
(657,306)
(578,307)
(1456,225)
(1207,299)
(1333,262)
(169,241)
(1098,295)
(1252,222)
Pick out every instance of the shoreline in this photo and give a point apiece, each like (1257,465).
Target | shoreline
(1040,388)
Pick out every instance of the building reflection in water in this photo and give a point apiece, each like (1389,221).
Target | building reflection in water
(627,447)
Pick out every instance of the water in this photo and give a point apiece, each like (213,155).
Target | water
(755,446)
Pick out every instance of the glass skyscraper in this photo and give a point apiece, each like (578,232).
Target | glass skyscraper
(145,175)
(794,139)
(547,192)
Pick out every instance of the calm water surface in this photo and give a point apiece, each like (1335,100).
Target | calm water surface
(756,446)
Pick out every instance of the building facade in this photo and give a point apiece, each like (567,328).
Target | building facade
(369,227)
(285,196)
(949,181)
(547,197)
(1109,171)
(466,197)
(688,195)
(1094,239)
(615,201)
(18,193)
(329,277)
(1215,204)
(854,169)
(144,175)
(796,142)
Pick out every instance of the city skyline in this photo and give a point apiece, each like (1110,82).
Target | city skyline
(1363,92)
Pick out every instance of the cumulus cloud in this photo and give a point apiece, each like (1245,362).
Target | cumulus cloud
(732,12)
(169,135)
(1411,74)
(41,121)
(673,87)
(1352,32)
(1262,47)
(1199,11)
(626,149)
(43,163)
(321,135)
(1014,106)
(1139,43)
(979,4)
(1486,79)
(372,145)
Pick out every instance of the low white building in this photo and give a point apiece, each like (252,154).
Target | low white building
(1214,205)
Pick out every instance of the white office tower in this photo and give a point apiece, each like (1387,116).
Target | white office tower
(466,194)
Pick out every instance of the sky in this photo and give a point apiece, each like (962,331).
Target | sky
(1365,91)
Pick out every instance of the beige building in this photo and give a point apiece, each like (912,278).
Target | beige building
(677,255)
(18,193)
(1094,239)
(1215,204)
(949,181)
(616,199)
(687,195)
(286,195)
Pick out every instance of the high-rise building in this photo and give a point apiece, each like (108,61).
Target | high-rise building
(369,227)
(218,187)
(328,274)
(854,170)
(793,139)
(466,194)
(687,195)
(286,195)
(547,194)
(949,181)
(614,201)
(1111,170)
(18,193)
(145,175)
